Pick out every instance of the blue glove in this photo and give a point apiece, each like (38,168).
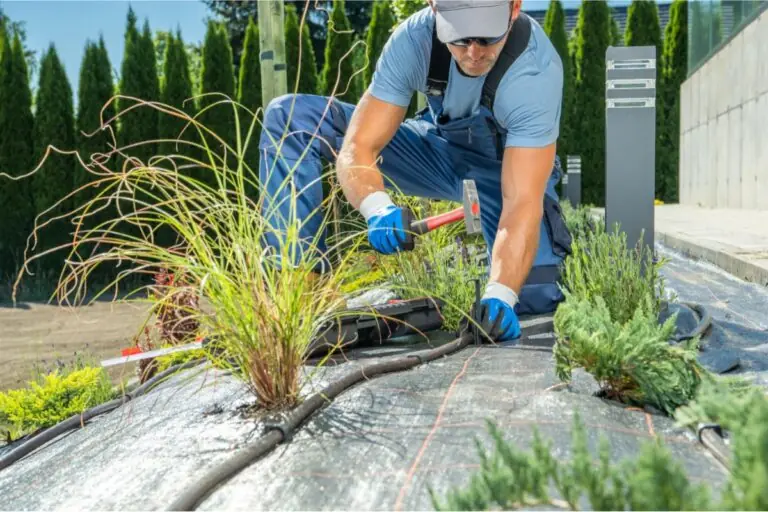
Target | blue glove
(497,317)
(385,230)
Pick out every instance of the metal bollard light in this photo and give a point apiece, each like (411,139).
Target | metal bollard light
(630,142)
(573,179)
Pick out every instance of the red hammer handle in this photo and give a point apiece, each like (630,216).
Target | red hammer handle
(428,224)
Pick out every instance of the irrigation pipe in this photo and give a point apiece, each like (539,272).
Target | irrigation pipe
(279,432)
(79,420)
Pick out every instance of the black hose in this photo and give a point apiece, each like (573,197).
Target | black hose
(705,321)
(79,420)
(277,433)
(711,437)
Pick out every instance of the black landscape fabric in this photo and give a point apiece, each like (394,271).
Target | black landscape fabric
(381,444)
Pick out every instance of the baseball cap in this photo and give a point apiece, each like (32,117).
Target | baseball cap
(459,19)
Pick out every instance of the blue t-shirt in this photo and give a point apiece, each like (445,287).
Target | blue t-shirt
(528,99)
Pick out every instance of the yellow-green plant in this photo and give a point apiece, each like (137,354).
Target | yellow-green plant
(263,307)
(52,398)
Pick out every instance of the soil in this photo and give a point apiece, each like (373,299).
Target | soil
(34,335)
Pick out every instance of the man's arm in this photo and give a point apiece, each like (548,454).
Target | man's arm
(372,126)
(525,172)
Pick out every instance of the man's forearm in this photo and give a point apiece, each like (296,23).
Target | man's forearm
(358,173)
(516,244)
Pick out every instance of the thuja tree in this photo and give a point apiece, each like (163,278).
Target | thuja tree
(55,126)
(16,152)
(337,75)
(674,71)
(382,21)
(305,64)
(554,25)
(249,97)
(594,37)
(218,86)
(643,29)
(176,91)
(95,90)
(138,79)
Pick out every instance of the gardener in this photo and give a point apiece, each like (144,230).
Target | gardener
(493,83)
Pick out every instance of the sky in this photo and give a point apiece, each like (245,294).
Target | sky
(61,22)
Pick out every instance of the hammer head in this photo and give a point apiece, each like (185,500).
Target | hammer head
(471,208)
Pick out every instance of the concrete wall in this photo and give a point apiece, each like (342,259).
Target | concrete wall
(724,125)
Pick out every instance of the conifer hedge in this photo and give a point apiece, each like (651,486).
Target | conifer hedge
(337,75)
(382,21)
(16,153)
(305,64)
(593,39)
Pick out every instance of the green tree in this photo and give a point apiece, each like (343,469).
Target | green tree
(95,89)
(674,71)
(382,21)
(249,86)
(403,9)
(308,72)
(54,126)
(615,30)
(218,89)
(337,76)
(16,153)
(138,80)
(249,96)
(176,91)
(554,26)
(644,29)
(594,37)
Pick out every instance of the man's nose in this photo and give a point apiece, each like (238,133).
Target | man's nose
(475,51)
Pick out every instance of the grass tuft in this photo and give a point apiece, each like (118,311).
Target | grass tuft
(442,265)
(199,215)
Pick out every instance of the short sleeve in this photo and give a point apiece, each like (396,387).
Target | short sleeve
(401,68)
(528,104)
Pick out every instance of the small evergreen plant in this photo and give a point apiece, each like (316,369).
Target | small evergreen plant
(633,361)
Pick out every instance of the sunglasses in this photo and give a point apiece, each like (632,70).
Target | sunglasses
(481,41)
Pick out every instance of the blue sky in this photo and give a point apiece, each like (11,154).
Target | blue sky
(61,22)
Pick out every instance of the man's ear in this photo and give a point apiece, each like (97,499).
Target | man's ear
(516,4)
(432,5)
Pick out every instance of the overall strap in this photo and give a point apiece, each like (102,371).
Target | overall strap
(439,66)
(516,44)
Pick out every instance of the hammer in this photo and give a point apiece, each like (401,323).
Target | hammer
(470,212)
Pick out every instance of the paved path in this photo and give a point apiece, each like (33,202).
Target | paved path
(734,240)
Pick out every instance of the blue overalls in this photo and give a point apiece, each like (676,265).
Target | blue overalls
(425,159)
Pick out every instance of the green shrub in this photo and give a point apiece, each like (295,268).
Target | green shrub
(633,361)
(579,220)
(602,265)
(53,398)
(510,478)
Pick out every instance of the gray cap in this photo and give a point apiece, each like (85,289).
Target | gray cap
(457,19)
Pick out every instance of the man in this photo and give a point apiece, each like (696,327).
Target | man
(504,140)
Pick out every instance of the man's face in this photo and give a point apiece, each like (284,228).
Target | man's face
(476,60)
